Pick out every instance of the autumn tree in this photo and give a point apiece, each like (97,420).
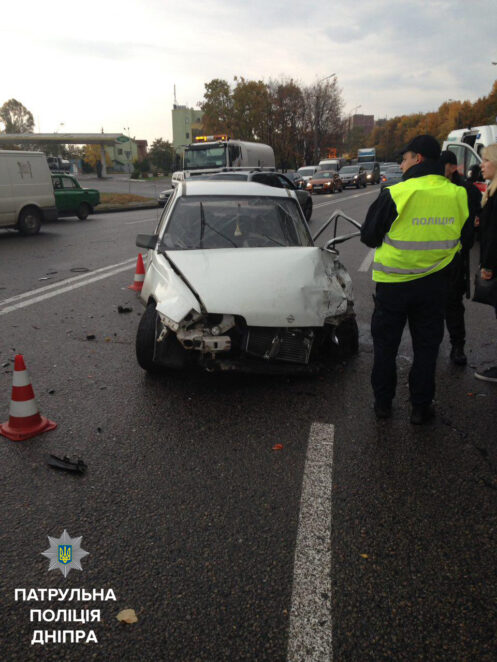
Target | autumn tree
(162,155)
(217,107)
(324,105)
(286,123)
(92,156)
(16,118)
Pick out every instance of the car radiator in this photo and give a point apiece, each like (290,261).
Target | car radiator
(292,345)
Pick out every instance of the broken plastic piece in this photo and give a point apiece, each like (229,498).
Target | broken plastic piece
(90,336)
(278,447)
(77,466)
(124,309)
(127,616)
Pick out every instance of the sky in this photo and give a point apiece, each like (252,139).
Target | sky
(81,67)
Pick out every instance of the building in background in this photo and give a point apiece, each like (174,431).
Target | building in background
(187,124)
(124,152)
(364,122)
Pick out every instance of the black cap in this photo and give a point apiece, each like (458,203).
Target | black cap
(448,157)
(425,145)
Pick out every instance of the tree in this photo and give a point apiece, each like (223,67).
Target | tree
(162,155)
(92,157)
(324,109)
(217,107)
(16,118)
(251,110)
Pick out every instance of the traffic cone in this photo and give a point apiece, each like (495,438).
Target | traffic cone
(24,419)
(139,275)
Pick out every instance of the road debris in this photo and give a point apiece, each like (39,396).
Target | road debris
(278,447)
(65,463)
(124,309)
(90,336)
(127,616)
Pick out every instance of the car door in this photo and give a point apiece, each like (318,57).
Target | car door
(71,194)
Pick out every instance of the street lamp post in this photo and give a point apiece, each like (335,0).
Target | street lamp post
(316,108)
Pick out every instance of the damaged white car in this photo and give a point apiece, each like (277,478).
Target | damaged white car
(234,282)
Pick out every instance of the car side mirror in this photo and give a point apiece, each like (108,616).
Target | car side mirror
(147,240)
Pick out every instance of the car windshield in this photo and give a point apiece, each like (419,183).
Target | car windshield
(349,169)
(325,174)
(198,157)
(306,171)
(205,222)
(368,166)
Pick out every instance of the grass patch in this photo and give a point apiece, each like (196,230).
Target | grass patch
(122,198)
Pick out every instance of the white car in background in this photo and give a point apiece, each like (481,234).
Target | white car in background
(234,282)
(177,177)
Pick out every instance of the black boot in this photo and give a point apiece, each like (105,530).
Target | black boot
(457,355)
(421,414)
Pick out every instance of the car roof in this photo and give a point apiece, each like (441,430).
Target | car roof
(211,187)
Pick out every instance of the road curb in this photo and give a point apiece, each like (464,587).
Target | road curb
(107,209)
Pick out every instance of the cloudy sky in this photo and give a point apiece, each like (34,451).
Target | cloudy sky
(113,65)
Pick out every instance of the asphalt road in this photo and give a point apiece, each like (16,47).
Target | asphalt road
(192,518)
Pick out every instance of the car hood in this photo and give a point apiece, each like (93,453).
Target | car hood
(321,181)
(281,286)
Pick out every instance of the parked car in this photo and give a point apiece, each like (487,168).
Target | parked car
(234,282)
(276,179)
(164,196)
(392,175)
(325,181)
(372,172)
(26,192)
(353,175)
(71,199)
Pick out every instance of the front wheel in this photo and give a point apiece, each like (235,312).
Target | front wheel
(347,334)
(83,211)
(29,221)
(145,339)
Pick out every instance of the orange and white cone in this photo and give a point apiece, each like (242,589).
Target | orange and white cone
(139,275)
(24,419)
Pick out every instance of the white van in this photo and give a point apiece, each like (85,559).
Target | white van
(332,164)
(26,191)
(476,137)
(306,172)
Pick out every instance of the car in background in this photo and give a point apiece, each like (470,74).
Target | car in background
(306,172)
(392,175)
(234,282)
(73,200)
(177,177)
(270,178)
(372,169)
(296,178)
(325,181)
(353,175)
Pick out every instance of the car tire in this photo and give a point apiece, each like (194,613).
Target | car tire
(347,334)
(308,210)
(145,339)
(357,185)
(29,221)
(83,211)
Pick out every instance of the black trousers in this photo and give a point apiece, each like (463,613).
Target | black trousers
(454,310)
(421,303)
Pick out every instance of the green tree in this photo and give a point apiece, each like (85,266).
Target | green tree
(16,118)
(217,107)
(162,155)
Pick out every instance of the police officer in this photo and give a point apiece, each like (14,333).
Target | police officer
(459,277)
(415,226)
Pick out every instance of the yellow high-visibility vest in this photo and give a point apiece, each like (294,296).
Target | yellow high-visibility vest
(425,236)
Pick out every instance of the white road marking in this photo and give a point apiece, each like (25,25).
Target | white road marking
(310,632)
(366,263)
(351,197)
(49,291)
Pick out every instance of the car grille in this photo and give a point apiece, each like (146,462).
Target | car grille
(292,345)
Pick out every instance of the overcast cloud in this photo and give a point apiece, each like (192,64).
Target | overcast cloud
(107,64)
